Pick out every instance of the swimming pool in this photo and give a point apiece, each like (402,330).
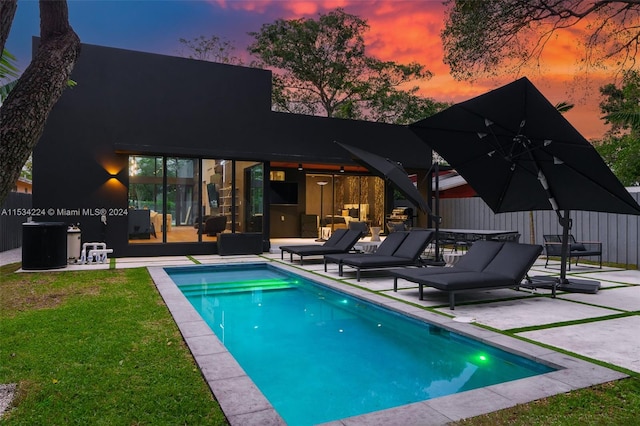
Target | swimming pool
(320,355)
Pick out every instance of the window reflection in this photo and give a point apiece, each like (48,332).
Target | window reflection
(163,199)
(145,198)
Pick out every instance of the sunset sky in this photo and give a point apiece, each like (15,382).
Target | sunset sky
(400,30)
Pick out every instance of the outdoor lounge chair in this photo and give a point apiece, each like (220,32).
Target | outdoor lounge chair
(407,253)
(341,241)
(577,249)
(487,265)
(386,248)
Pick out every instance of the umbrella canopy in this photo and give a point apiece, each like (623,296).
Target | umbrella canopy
(391,171)
(519,153)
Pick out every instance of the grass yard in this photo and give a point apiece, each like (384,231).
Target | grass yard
(100,348)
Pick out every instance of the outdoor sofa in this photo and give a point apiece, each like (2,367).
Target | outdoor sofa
(398,249)
(341,241)
(487,265)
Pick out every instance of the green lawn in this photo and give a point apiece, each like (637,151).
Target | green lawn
(100,347)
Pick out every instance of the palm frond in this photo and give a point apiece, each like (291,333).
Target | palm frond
(563,107)
(4,90)
(8,69)
(631,118)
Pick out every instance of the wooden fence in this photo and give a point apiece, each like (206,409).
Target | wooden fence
(12,216)
(619,234)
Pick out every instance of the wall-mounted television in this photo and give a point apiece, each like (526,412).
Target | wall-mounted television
(283,192)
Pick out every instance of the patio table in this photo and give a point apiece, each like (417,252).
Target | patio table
(477,234)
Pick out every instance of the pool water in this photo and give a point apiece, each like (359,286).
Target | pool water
(320,355)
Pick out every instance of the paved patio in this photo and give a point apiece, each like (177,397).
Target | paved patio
(521,320)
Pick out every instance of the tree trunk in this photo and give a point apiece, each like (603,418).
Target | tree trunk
(532,228)
(25,111)
(7,12)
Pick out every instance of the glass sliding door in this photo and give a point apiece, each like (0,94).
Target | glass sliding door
(217,200)
(253,182)
(339,199)
(183,177)
(146,174)
(163,199)
(179,199)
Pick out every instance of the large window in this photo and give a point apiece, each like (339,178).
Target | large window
(171,200)
(163,199)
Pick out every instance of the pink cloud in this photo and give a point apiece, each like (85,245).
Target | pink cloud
(409,31)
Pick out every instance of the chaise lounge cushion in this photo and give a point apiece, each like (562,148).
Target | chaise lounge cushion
(479,255)
(375,261)
(506,269)
(386,248)
(408,253)
(332,241)
(413,245)
(466,280)
(509,260)
(409,250)
(346,239)
(505,265)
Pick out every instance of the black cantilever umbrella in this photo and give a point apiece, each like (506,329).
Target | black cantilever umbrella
(393,172)
(519,153)
(390,171)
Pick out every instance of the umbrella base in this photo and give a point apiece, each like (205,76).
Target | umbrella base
(569,285)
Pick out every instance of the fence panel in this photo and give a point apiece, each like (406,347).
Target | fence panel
(12,218)
(619,234)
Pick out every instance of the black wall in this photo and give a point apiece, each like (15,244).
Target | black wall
(132,102)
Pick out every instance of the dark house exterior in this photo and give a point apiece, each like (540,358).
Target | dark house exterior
(147,148)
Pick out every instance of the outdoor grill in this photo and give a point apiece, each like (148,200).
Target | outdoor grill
(401,215)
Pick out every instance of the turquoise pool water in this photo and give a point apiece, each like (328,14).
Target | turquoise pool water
(320,355)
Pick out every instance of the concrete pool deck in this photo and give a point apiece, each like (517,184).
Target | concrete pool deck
(529,323)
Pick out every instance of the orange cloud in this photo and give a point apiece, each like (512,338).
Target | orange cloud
(409,31)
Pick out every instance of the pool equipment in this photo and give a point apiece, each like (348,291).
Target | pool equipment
(94,252)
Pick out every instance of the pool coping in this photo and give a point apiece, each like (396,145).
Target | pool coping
(244,404)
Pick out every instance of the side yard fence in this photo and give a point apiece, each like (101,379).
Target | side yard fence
(619,234)
(12,218)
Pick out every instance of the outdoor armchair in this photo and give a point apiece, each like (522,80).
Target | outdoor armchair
(577,249)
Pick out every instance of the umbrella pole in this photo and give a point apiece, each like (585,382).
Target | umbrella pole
(563,283)
(564,251)
(434,215)
(437,210)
